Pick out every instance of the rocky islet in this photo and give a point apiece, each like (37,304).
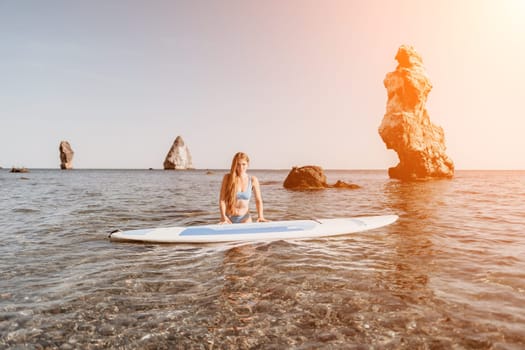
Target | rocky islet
(311,177)
(66,155)
(179,156)
(406,127)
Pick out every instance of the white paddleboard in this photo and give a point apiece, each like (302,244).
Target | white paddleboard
(263,231)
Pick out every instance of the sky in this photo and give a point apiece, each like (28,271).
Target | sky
(289,82)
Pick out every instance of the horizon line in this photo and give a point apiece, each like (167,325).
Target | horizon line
(252,169)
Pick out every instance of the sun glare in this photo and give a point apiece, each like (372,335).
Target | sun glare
(514,13)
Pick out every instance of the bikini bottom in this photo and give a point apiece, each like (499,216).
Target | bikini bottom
(238,219)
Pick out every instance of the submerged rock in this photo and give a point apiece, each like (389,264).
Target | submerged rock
(178,157)
(311,177)
(406,127)
(342,184)
(66,155)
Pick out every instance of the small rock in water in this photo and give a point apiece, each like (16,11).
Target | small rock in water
(19,170)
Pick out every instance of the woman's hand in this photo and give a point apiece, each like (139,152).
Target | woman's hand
(225,220)
(262,219)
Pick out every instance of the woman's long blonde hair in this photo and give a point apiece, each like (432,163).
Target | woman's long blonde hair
(231,181)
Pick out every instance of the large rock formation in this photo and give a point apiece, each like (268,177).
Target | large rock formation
(406,127)
(66,155)
(178,157)
(311,177)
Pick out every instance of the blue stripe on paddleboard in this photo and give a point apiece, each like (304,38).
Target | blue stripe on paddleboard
(241,229)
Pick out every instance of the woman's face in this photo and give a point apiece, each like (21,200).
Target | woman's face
(242,165)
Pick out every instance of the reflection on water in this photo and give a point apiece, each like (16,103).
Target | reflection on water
(448,274)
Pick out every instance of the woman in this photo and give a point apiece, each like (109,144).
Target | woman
(236,191)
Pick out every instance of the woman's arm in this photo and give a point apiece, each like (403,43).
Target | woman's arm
(258,199)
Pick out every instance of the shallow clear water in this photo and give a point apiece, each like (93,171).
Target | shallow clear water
(449,274)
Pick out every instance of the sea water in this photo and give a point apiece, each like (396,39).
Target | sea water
(450,274)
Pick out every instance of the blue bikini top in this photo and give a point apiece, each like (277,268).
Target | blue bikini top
(246,195)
